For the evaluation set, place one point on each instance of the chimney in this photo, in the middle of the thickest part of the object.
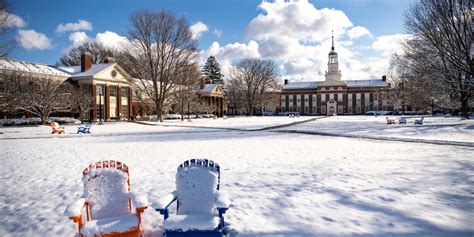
(86, 61)
(201, 83)
(109, 60)
(384, 78)
(286, 81)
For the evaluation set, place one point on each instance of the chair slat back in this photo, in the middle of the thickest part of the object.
(106, 187)
(197, 182)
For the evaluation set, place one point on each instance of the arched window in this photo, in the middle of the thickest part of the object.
(331, 88)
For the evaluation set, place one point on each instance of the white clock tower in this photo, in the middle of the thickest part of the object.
(333, 73)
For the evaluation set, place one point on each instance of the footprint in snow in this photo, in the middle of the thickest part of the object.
(328, 219)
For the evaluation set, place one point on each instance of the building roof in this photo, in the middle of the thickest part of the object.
(75, 71)
(208, 88)
(211, 89)
(350, 83)
(367, 83)
(21, 66)
(302, 85)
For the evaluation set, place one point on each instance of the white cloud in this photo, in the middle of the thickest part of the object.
(389, 44)
(12, 20)
(357, 32)
(30, 39)
(80, 25)
(197, 29)
(297, 36)
(298, 19)
(231, 53)
(112, 40)
(78, 38)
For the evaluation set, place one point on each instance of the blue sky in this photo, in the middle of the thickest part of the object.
(235, 29)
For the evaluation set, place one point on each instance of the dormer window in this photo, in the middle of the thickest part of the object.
(323, 89)
(331, 88)
(339, 88)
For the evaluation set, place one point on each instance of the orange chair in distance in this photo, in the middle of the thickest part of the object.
(56, 128)
(108, 202)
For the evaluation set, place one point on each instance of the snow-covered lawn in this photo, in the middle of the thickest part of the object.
(434, 128)
(280, 183)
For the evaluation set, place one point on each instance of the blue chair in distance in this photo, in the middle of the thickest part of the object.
(419, 121)
(85, 129)
(200, 206)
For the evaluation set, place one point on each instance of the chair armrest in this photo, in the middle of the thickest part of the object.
(74, 209)
(163, 203)
(138, 201)
(222, 201)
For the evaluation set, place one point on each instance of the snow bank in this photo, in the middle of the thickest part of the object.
(191, 222)
(109, 225)
(196, 187)
(106, 191)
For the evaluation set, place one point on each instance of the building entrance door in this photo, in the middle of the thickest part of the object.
(332, 105)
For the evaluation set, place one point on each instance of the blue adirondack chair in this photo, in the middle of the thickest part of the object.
(200, 206)
(419, 121)
(85, 129)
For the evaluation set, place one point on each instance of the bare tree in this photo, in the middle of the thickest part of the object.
(187, 82)
(99, 53)
(162, 47)
(7, 42)
(38, 96)
(254, 78)
(440, 47)
(80, 100)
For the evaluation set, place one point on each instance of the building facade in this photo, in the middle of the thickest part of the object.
(108, 83)
(335, 96)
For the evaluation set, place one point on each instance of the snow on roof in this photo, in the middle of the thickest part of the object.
(302, 85)
(373, 82)
(21, 66)
(75, 71)
(350, 83)
(208, 88)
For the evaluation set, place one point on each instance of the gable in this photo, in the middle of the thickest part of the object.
(114, 73)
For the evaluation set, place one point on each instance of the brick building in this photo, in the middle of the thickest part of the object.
(335, 96)
(107, 82)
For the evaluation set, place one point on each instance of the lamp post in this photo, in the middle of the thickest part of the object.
(432, 106)
(100, 109)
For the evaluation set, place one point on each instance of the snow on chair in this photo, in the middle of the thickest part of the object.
(85, 129)
(56, 128)
(200, 206)
(108, 202)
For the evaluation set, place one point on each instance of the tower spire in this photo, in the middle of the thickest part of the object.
(332, 47)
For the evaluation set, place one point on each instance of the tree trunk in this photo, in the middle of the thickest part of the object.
(157, 111)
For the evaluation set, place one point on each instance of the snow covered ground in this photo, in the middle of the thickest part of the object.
(280, 183)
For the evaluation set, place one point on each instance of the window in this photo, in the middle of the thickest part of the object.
(339, 88)
(124, 100)
(323, 109)
(323, 89)
(339, 97)
(331, 96)
(323, 97)
(113, 108)
(100, 101)
(331, 88)
(306, 110)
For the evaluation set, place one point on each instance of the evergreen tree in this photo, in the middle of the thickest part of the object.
(212, 71)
